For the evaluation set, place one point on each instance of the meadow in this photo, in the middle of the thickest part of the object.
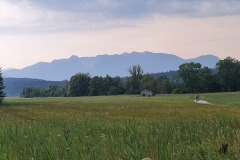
(121, 127)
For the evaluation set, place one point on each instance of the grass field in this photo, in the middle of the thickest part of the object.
(120, 127)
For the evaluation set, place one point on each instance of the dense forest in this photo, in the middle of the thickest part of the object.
(190, 78)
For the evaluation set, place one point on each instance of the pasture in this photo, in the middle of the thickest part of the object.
(121, 127)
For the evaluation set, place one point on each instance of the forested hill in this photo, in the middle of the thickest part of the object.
(14, 86)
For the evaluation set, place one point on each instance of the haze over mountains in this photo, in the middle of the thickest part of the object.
(113, 65)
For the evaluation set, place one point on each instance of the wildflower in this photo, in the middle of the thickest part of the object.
(103, 136)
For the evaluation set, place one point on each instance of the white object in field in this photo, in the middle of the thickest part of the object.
(201, 102)
(146, 158)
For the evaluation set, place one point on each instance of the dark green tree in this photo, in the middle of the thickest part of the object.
(195, 78)
(30, 92)
(133, 82)
(65, 91)
(96, 86)
(204, 79)
(189, 74)
(107, 84)
(79, 84)
(229, 73)
(117, 87)
(164, 85)
(2, 94)
(213, 83)
(238, 75)
(52, 91)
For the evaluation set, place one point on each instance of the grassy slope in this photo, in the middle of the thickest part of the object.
(120, 127)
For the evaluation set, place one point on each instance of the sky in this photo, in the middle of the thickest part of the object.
(43, 30)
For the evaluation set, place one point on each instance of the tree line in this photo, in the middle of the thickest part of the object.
(82, 84)
(190, 78)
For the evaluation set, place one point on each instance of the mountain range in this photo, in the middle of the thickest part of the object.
(113, 65)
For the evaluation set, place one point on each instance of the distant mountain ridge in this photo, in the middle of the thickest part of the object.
(113, 65)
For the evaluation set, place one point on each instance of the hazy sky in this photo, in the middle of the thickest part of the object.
(44, 30)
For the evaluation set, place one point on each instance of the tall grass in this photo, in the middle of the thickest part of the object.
(120, 127)
(171, 139)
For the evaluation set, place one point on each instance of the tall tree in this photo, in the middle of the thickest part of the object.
(2, 94)
(195, 78)
(107, 84)
(117, 87)
(96, 86)
(238, 75)
(189, 74)
(204, 79)
(133, 82)
(79, 84)
(229, 73)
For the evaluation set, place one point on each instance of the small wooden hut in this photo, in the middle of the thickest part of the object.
(146, 92)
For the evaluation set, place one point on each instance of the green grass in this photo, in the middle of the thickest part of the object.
(120, 127)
